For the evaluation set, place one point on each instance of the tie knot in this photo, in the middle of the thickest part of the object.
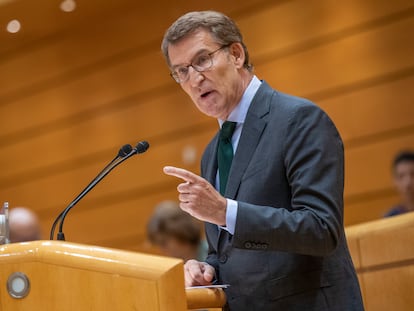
(227, 130)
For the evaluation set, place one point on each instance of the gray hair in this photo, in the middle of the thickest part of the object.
(223, 29)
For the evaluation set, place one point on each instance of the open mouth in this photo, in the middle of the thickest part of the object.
(204, 95)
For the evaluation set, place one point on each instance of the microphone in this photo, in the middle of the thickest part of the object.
(124, 153)
(142, 146)
(125, 149)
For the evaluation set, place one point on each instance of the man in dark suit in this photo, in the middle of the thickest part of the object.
(275, 223)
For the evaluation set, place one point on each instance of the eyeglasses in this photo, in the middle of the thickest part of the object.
(201, 63)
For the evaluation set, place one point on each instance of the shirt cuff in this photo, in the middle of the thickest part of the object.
(231, 216)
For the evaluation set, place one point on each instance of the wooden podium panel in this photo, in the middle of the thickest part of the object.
(390, 289)
(198, 298)
(66, 276)
(383, 253)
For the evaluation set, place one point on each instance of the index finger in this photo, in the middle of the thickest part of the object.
(181, 173)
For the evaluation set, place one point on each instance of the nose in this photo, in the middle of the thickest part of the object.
(195, 77)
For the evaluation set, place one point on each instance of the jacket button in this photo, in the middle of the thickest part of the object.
(223, 258)
(248, 245)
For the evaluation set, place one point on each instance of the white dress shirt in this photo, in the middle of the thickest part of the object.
(237, 115)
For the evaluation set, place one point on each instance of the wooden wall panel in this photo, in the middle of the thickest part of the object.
(73, 94)
(42, 20)
(98, 89)
(56, 190)
(327, 67)
(293, 26)
(369, 191)
(99, 130)
(369, 206)
(368, 167)
(367, 113)
(85, 48)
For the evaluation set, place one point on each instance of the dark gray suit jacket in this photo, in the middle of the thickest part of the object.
(288, 251)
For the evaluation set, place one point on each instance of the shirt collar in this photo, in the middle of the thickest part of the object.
(240, 111)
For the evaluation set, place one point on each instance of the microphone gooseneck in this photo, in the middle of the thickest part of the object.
(124, 153)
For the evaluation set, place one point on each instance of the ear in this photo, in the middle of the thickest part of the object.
(237, 51)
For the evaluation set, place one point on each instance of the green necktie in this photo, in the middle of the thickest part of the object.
(225, 153)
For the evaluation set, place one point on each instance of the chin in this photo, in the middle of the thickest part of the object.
(210, 113)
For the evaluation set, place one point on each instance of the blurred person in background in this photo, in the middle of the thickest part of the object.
(24, 225)
(403, 175)
(176, 233)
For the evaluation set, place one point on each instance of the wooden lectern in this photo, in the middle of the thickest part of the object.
(66, 276)
(383, 254)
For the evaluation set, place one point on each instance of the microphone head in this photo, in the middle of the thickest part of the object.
(142, 146)
(124, 151)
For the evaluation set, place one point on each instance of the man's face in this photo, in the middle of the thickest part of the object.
(218, 90)
(404, 179)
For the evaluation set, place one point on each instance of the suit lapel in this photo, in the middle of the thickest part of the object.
(210, 171)
(253, 128)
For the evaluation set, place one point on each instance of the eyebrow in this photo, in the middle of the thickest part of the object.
(199, 52)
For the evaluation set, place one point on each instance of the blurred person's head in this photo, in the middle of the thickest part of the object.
(24, 225)
(174, 231)
(403, 171)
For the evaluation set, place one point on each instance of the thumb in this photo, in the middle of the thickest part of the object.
(208, 273)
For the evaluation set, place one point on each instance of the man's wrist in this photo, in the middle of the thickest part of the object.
(231, 214)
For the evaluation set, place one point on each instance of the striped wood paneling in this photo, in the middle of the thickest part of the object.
(73, 93)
